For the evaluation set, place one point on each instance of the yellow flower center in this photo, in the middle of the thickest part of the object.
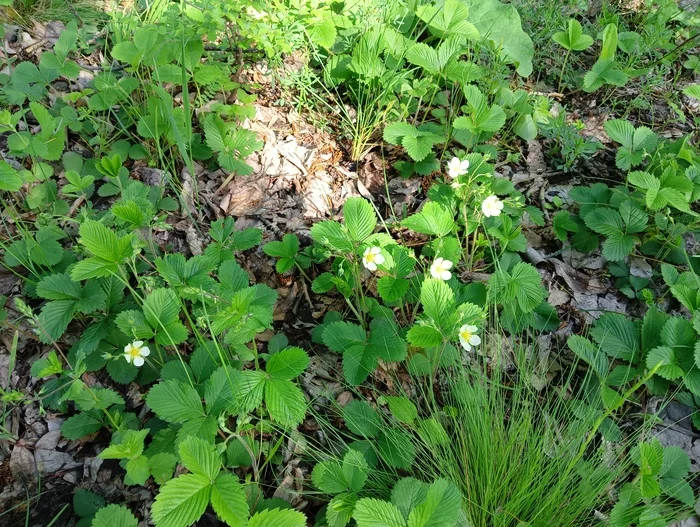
(134, 351)
(466, 335)
(370, 257)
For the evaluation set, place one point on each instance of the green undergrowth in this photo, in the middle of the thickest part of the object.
(453, 419)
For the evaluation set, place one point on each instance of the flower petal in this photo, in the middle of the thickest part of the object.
(127, 357)
(138, 361)
(475, 340)
(145, 352)
(137, 343)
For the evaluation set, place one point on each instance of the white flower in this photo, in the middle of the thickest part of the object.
(456, 168)
(440, 269)
(372, 258)
(135, 352)
(492, 206)
(468, 337)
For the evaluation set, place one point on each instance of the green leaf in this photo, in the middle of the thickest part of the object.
(343, 336)
(129, 445)
(620, 131)
(562, 224)
(277, 518)
(676, 463)
(437, 298)
(181, 501)
(385, 341)
(54, 319)
(333, 235)
(670, 369)
(609, 46)
(361, 419)
(87, 503)
(574, 38)
(200, 457)
(392, 289)
(9, 178)
(396, 449)
(500, 23)
(175, 402)
(161, 466)
(360, 218)
(370, 512)
(693, 91)
(229, 500)
(407, 493)
(604, 72)
(287, 364)
(287, 248)
(114, 516)
(617, 335)
(80, 425)
(448, 19)
(441, 507)
(137, 471)
(103, 243)
(285, 402)
(402, 408)
(424, 336)
(358, 364)
(591, 354)
(433, 219)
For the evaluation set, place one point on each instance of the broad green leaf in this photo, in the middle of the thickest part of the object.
(609, 46)
(500, 23)
(450, 18)
(360, 218)
(617, 336)
(392, 289)
(200, 457)
(433, 219)
(441, 507)
(277, 518)
(181, 501)
(9, 178)
(361, 419)
(344, 336)
(87, 503)
(407, 493)
(287, 364)
(137, 471)
(385, 341)
(285, 401)
(604, 71)
(402, 408)
(358, 364)
(104, 243)
(333, 235)
(228, 500)
(129, 445)
(114, 516)
(574, 38)
(671, 368)
(676, 463)
(591, 354)
(80, 425)
(396, 449)
(370, 512)
(175, 402)
(437, 298)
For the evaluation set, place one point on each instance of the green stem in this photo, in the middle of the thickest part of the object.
(563, 67)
